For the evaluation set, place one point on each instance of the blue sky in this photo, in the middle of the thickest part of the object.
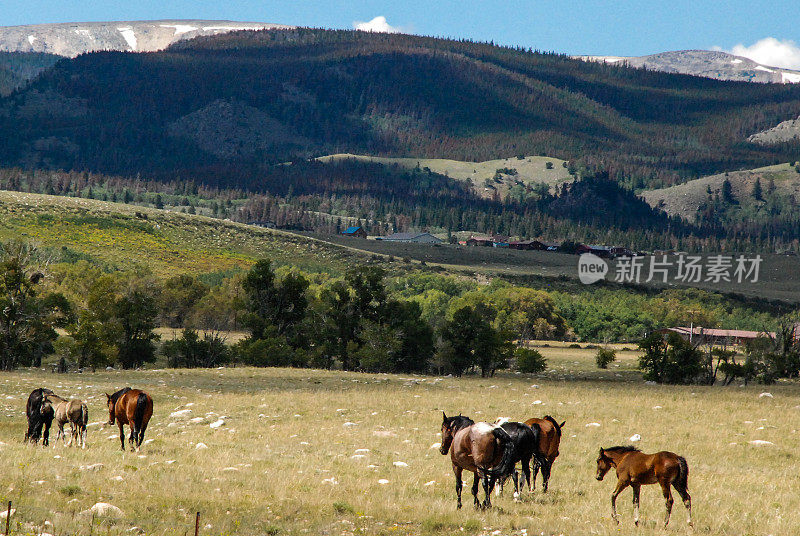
(609, 27)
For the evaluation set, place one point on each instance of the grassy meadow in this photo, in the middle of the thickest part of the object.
(315, 452)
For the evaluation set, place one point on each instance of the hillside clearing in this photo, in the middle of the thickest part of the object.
(529, 170)
(290, 457)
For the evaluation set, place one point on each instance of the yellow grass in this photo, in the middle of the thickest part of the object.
(283, 461)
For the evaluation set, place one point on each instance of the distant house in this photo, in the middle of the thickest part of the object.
(483, 241)
(600, 251)
(417, 238)
(722, 337)
(355, 232)
(526, 245)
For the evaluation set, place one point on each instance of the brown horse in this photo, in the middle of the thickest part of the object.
(134, 408)
(476, 448)
(549, 441)
(635, 468)
(75, 412)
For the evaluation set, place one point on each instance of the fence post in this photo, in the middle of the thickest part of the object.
(8, 518)
(196, 524)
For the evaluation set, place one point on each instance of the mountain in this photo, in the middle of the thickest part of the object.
(706, 63)
(223, 109)
(785, 131)
(16, 68)
(73, 38)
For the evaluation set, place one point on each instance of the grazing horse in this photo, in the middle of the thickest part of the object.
(525, 444)
(635, 468)
(134, 408)
(549, 441)
(38, 419)
(476, 447)
(73, 412)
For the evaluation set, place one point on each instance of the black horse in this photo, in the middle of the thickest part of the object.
(40, 415)
(524, 446)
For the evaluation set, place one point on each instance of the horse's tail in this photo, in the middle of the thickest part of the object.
(507, 462)
(555, 424)
(141, 406)
(682, 481)
(540, 457)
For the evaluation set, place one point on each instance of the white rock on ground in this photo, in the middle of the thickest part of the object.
(4, 513)
(592, 425)
(435, 445)
(102, 509)
(200, 446)
(765, 395)
(92, 467)
(180, 414)
(761, 443)
(635, 437)
(400, 464)
(383, 481)
(216, 424)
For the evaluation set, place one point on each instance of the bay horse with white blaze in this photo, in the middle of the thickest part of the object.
(635, 468)
(476, 447)
(134, 408)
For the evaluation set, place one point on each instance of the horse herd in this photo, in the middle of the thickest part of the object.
(492, 451)
(127, 406)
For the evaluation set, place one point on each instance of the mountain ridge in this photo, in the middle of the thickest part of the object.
(706, 63)
(73, 38)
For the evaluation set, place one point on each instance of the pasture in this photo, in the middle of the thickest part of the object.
(321, 452)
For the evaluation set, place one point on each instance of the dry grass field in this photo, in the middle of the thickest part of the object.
(316, 452)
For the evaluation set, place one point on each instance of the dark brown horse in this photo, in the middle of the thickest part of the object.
(549, 442)
(476, 447)
(40, 416)
(635, 468)
(134, 408)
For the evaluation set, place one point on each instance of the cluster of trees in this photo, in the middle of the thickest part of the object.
(674, 359)
(85, 316)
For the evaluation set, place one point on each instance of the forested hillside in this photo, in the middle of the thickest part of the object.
(17, 68)
(220, 109)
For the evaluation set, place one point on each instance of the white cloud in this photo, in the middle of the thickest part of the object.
(770, 51)
(378, 24)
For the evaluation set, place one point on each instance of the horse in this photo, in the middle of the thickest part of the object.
(476, 447)
(73, 412)
(37, 419)
(549, 441)
(635, 468)
(525, 444)
(134, 408)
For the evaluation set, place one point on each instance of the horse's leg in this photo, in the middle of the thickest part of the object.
(141, 433)
(475, 485)
(457, 470)
(667, 500)
(687, 500)
(526, 470)
(532, 481)
(487, 490)
(636, 488)
(546, 475)
(46, 434)
(515, 476)
(620, 486)
(134, 433)
(121, 434)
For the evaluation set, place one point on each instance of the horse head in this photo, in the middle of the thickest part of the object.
(447, 434)
(603, 465)
(110, 402)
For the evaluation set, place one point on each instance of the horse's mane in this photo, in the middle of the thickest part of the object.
(554, 423)
(119, 393)
(626, 448)
(459, 422)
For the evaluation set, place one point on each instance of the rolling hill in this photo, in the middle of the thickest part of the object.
(278, 95)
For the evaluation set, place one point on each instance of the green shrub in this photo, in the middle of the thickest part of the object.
(530, 361)
(604, 356)
(342, 507)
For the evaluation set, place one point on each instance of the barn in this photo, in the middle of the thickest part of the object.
(355, 232)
